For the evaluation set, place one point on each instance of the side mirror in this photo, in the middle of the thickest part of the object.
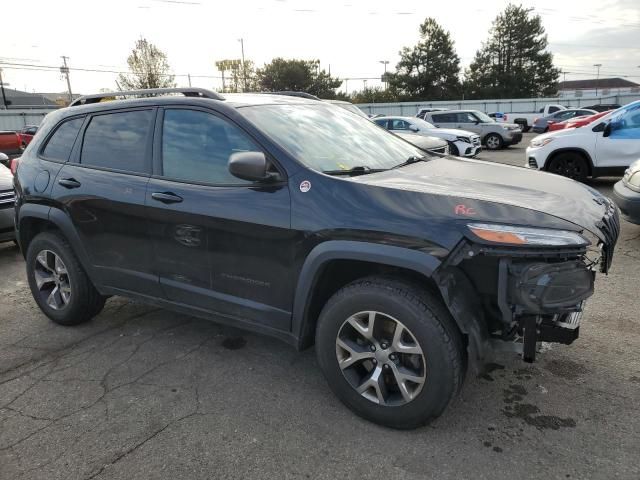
(250, 166)
(607, 130)
(413, 128)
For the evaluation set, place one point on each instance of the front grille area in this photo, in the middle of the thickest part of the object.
(7, 199)
(533, 163)
(610, 228)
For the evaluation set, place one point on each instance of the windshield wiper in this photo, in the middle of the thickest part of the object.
(410, 160)
(359, 170)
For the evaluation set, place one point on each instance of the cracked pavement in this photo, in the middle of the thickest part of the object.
(141, 392)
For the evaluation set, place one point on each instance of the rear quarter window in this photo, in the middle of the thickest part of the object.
(60, 144)
(118, 141)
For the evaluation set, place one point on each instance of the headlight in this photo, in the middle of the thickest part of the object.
(514, 235)
(464, 139)
(541, 142)
(634, 179)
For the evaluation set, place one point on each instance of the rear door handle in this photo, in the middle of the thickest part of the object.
(166, 197)
(69, 182)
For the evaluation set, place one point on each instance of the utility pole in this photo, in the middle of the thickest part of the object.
(597, 65)
(244, 65)
(65, 70)
(4, 98)
(189, 77)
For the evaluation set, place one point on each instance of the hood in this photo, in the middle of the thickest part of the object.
(542, 192)
(422, 141)
(447, 132)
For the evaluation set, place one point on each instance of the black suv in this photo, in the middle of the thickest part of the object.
(298, 219)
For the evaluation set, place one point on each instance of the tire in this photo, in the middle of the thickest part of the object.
(83, 301)
(453, 150)
(426, 326)
(493, 141)
(571, 165)
(523, 126)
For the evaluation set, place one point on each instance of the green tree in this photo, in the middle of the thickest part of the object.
(374, 95)
(298, 76)
(149, 68)
(429, 70)
(513, 63)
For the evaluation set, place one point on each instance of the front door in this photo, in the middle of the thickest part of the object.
(103, 190)
(222, 244)
(622, 147)
(469, 122)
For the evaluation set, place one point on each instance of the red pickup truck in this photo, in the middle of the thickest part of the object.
(27, 133)
(10, 143)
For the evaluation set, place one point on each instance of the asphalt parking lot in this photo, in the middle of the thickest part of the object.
(146, 393)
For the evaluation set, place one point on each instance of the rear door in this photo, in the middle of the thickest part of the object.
(622, 146)
(222, 244)
(103, 190)
(443, 120)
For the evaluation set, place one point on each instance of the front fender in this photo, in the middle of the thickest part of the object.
(389, 255)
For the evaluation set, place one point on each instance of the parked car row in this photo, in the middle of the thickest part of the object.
(607, 145)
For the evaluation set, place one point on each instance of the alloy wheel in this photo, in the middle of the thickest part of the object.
(493, 142)
(52, 279)
(381, 358)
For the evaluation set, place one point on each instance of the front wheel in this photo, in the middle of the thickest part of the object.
(453, 150)
(390, 351)
(569, 164)
(493, 141)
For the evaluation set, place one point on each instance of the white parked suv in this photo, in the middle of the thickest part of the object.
(606, 146)
(461, 142)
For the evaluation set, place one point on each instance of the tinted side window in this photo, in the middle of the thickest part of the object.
(399, 125)
(118, 141)
(466, 117)
(196, 147)
(551, 109)
(444, 118)
(61, 142)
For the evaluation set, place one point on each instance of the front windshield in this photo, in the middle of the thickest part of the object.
(483, 117)
(325, 137)
(351, 108)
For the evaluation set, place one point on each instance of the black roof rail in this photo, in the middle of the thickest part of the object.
(150, 92)
(294, 94)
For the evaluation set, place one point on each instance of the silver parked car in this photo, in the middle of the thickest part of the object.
(7, 200)
(493, 135)
(461, 143)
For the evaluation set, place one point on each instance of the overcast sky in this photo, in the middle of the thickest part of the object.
(350, 35)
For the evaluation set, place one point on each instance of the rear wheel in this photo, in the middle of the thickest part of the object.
(390, 352)
(493, 141)
(58, 283)
(523, 126)
(571, 165)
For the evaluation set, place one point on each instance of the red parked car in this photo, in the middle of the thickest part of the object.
(10, 143)
(27, 133)
(576, 121)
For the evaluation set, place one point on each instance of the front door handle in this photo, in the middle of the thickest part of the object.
(166, 197)
(69, 182)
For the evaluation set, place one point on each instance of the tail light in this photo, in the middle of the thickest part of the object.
(13, 166)
(506, 117)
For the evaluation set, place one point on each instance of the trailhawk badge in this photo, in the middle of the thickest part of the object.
(305, 186)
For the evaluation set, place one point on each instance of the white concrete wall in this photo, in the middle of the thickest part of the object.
(494, 105)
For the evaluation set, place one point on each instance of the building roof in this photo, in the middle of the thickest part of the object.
(615, 82)
(19, 98)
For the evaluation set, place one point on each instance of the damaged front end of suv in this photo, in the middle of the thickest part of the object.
(514, 286)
